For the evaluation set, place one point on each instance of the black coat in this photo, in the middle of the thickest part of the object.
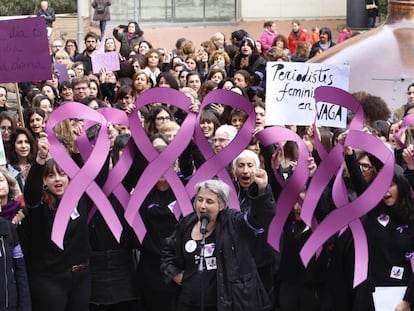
(238, 283)
(48, 14)
(256, 63)
(14, 288)
(44, 255)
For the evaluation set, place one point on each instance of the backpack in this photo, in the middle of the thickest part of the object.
(100, 8)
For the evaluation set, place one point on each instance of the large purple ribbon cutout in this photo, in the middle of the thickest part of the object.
(215, 164)
(113, 183)
(295, 184)
(407, 121)
(346, 213)
(82, 179)
(161, 164)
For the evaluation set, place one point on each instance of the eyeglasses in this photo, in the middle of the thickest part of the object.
(167, 118)
(365, 166)
(410, 93)
(220, 140)
(5, 128)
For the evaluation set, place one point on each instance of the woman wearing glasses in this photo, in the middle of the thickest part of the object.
(157, 116)
(7, 126)
(389, 229)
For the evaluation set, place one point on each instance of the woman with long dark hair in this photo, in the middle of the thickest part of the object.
(128, 36)
(22, 154)
(59, 279)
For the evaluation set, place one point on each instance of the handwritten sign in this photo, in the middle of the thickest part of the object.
(290, 89)
(24, 50)
(107, 60)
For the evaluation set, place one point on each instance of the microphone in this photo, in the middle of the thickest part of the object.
(204, 219)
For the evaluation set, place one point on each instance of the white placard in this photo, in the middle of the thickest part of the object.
(290, 88)
(386, 298)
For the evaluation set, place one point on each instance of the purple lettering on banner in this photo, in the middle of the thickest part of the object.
(82, 179)
(24, 50)
(295, 184)
(347, 213)
(161, 164)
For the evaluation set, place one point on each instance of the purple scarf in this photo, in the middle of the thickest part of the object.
(9, 210)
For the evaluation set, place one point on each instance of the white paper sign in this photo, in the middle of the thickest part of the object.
(290, 88)
(388, 297)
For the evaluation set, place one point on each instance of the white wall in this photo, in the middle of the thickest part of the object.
(288, 9)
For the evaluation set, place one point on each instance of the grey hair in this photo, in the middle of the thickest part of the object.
(230, 130)
(220, 188)
(249, 155)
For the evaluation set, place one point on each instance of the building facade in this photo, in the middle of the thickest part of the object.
(208, 11)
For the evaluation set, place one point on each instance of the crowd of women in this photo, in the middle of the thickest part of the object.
(215, 258)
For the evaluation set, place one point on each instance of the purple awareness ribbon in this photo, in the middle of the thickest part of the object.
(294, 185)
(215, 164)
(347, 213)
(113, 183)
(160, 163)
(82, 179)
(408, 120)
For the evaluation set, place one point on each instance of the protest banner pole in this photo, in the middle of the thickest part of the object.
(19, 105)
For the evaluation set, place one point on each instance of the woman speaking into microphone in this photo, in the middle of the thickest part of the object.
(208, 258)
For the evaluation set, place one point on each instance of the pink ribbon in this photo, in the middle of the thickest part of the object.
(82, 179)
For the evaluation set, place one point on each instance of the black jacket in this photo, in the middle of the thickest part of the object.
(14, 288)
(44, 255)
(49, 15)
(256, 63)
(238, 284)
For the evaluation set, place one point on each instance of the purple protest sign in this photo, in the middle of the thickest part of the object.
(24, 50)
(62, 71)
(107, 60)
